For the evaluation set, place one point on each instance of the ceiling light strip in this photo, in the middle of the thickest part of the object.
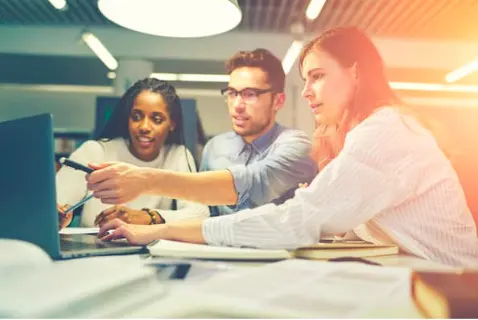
(417, 86)
(406, 86)
(291, 55)
(314, 8)
(462, 71)
(100, 50)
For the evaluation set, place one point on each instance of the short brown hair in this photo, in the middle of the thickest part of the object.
(263, 59)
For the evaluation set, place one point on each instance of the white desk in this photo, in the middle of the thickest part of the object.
(156, 298)
(400, 306)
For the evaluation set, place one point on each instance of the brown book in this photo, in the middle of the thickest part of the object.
(446, 295)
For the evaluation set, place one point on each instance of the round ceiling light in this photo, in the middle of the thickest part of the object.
(173, 18)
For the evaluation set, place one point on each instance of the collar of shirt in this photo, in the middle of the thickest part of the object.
(261, 143)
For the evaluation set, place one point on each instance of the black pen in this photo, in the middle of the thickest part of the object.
(75, 165)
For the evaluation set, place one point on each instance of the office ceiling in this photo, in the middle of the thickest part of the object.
(411, 19)
(435, 19)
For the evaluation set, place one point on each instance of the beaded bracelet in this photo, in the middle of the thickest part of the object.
(154, 219)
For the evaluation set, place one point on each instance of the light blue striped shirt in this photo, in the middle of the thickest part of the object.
(267, 170)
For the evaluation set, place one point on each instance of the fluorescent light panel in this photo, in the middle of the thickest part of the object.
(58, 4)
(100, 50)
(291, 55)
(417, 86)
(314, 8)
(189, 77)
(411, 86)
(462, 71)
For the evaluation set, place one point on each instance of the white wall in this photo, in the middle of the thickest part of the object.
(76, 111)
(70, 110)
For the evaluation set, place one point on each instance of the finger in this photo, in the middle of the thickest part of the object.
(66, 216)
(100, 220)
(125, 232)
(62, 207)
(64, 220)
(104, 213)
(101, 165)
(110, 225)
(112, 201)
(120, 233)
(116, 234)
(109, 184)
(102, 174)
(111, 210)
(106, 193)
(108, 218)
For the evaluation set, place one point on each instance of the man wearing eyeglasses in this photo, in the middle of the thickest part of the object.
(259, 162)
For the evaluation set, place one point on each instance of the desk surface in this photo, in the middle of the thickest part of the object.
(400, 306)
(158, 295)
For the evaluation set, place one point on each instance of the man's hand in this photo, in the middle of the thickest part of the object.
(135, 234)
(123, 213)
(64, 219)
(117, 183)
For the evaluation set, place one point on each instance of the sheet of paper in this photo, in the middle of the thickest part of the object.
(295, 288)
(94, 230)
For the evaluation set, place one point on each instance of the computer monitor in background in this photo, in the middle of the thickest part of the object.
(193, 132)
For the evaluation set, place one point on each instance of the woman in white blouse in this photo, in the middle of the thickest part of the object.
(144, 130)
(383, 177)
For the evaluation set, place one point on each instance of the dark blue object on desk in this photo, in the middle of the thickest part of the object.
(181, 268)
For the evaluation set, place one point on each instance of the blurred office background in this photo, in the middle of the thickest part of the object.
(45, 66)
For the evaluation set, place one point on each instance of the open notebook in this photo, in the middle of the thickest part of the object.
(174, 249)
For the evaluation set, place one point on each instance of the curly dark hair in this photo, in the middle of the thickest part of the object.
(117, 125)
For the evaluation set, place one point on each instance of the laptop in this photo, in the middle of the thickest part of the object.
(28, 208)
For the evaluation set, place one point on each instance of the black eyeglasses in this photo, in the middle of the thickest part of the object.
(248, 95)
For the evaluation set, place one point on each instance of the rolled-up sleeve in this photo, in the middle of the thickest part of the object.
(286, 165)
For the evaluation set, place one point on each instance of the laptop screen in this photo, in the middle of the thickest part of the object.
(27, 182)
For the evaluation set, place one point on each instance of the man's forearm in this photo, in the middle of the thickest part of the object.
(210, 187)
